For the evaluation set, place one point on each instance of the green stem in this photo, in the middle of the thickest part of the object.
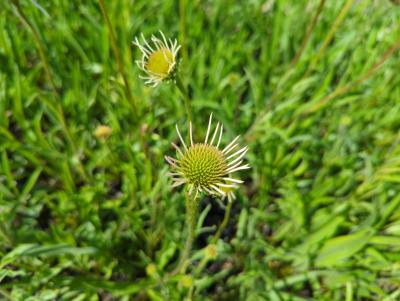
(191, 214)
(118, 58)
(224, 222)
(185, 95)
(182, 29)
(217, 235)
(307, 36)
(338, 21)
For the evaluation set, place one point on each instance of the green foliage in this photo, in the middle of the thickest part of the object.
(87, 219)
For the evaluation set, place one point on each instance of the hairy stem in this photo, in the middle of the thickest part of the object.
(191, 215)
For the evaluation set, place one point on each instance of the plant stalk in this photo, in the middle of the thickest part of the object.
(117, 55)
(217, 235)
(185, 95)
(191, 215)
(224, 222)
(182, 29)
(307, 36)
(338, 21)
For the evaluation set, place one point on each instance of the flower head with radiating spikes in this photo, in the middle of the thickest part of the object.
(159, 60)
(204, 167)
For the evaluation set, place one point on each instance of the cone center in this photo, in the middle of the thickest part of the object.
(203, 165)
(159, 62)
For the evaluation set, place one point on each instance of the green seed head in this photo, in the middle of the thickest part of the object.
(203, 165)
(203, 168)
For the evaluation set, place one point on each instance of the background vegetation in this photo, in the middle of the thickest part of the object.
(89, 219)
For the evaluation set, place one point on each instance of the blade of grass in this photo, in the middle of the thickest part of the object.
(117, 55)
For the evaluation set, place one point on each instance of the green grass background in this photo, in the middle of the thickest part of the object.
(318, 216)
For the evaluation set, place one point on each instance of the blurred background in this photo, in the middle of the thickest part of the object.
(313, 88)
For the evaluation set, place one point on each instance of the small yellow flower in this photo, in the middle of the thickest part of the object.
(211, 251)
(158, 61)
(186, 281)
(206, 168)
(230, 191)
(102, 132)
(151, 269)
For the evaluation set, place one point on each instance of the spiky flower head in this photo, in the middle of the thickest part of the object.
(159, 60)
(204, 167)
